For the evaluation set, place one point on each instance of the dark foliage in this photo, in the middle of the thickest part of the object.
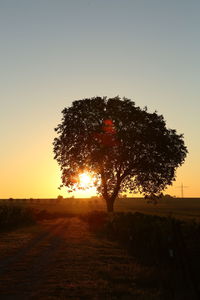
(124, 146)
(13, 216)
(150, 239)
(146, 237)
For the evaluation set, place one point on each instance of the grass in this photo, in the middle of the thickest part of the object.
(13, 216)
(184, 209)
(129, 248)
(70, 262)
(144, 236)
(169, 248)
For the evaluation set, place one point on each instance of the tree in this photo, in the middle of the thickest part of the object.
(125, 147)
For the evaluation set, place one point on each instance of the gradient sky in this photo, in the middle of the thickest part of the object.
(55, 51)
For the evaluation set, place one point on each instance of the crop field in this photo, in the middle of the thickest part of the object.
(185, 209)
(70, 249)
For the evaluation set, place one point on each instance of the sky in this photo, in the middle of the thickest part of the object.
(53, 52)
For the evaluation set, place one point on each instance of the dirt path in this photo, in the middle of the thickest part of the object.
(63, 260)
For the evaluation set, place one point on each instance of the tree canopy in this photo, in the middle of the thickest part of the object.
(127, 148)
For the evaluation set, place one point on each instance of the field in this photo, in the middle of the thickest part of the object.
(186, 209)
(68, 251)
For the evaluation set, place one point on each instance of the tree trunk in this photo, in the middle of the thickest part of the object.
(110, 199)
(110, 205)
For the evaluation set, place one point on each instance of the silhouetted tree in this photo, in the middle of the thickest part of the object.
(125, 147)
(59, 199)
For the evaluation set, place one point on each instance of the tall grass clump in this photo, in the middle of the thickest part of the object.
(147, 237)
(96, 220)
(13, 216)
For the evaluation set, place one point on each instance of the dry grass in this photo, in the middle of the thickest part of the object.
(67, 261)
(187, 208)
(60, 258)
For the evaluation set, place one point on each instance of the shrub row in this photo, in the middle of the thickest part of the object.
(149, 238)
(12, 216)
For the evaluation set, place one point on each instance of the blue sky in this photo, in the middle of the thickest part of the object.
(53, 52)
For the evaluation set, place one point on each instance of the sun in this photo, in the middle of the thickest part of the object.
(85, 180)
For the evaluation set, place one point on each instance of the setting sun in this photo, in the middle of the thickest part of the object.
(85, 180)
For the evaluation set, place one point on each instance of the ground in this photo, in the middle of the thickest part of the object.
(62, 259)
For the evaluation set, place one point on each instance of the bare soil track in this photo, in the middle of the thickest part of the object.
(61, 259)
